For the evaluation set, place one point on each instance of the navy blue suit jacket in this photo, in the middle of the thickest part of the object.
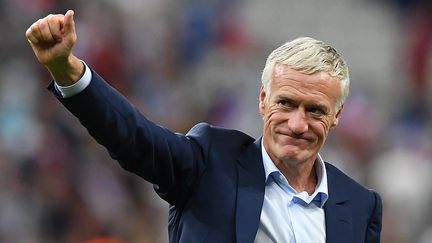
(213, 178)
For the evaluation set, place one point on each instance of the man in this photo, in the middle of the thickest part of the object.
(222, 185)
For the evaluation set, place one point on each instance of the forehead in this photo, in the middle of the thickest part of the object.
(319, 85)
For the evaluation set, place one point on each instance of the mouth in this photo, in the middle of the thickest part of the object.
(294, 137)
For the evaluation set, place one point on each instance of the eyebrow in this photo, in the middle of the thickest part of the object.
(282, 96)
(285, 98)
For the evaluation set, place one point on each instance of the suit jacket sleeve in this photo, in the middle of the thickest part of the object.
(374, 226)
(172, 162)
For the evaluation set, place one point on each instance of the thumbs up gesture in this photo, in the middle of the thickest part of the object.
(52, 39)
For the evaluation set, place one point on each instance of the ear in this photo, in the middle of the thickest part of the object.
(336, 120)
(262, 97)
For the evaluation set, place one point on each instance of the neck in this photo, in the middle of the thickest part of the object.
(301, 176)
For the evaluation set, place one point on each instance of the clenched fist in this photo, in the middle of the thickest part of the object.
(52, 39)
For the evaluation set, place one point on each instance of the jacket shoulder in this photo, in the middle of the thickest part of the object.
(364, 203)
(206, 134)
(347, 182)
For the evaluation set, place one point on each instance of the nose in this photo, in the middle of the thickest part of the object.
(297, 122)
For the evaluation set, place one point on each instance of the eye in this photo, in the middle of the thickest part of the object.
(285, 102)
(317, 111)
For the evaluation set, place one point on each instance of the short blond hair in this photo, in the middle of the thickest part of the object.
(309, 56)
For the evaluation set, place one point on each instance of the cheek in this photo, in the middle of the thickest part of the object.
(323, 129)
(273, 117)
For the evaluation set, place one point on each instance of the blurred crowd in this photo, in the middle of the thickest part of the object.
(182, 62)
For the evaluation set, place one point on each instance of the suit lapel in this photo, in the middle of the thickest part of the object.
(338, 215)
(250, 192)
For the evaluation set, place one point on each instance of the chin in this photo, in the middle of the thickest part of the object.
(288, 153)
(291, 156)
(296, 159)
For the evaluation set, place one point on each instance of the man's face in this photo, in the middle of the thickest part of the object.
(298, 113)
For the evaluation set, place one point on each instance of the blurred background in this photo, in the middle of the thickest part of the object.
(181, 62)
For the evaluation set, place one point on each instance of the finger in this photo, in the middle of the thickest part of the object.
(32, 39)
(45, 31)
(37, 32)
(54, 25)
(30, 34)
(69, 23)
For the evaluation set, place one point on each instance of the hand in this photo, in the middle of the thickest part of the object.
(52, 39)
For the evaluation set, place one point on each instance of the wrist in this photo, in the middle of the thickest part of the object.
(67, 72)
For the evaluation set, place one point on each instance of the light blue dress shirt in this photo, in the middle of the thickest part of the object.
(288, 216)
(80, 85)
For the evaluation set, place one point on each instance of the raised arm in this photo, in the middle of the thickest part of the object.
(52, 39)
(172, 162)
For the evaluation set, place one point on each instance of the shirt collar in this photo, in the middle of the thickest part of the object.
(321, 190)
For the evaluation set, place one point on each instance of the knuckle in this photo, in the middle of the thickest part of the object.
(51, 17)
(38, 24)
(28, 32)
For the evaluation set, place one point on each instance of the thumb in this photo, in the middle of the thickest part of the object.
(69, 23)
